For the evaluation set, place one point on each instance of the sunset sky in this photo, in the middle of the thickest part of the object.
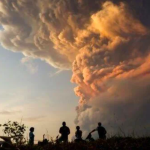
(79, 61)
(38, 98)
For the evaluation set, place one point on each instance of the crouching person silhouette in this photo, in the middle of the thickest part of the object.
(101, 131)
(64, 131)
(78, 135)
(90, 138)
(31, 136)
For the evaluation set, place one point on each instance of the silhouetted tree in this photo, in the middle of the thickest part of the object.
(15, 131)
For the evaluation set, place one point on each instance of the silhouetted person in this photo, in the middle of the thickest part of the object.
(101, 131)
(64, 131)
(78, 134)
(90, 138)
(44, 142)
(31, 136)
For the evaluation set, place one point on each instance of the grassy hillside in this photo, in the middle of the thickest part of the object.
(109, 144)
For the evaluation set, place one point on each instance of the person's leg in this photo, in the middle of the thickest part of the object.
(77, 140)
(31, 142)
(102, 137)
(65, 139)
(60, 139)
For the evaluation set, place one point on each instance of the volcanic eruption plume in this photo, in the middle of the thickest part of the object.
(105, 43)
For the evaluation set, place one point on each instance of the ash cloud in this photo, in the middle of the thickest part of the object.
(105, 43)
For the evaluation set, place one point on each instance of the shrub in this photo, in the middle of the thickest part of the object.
(15, 131)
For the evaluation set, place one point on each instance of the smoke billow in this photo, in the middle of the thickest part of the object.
(106, 43)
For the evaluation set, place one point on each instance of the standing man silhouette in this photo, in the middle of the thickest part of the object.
(101, 131)
(64, 131)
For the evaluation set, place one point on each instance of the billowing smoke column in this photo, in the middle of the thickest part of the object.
(107, 45)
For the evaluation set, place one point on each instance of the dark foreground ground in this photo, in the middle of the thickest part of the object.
(110, 144)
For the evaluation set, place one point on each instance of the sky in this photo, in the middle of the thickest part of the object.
(39, 99)
(81, 61)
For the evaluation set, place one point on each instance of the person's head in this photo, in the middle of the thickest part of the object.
(77, 127)
(31, 129)
(64, 123)
(99, 124)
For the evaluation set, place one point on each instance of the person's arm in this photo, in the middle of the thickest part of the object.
(31, 135)
(105, 130)
(76, 134)
(60, 130)
(68, 131)
(93, 130)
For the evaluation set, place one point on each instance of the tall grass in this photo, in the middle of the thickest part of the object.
(113, 143)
